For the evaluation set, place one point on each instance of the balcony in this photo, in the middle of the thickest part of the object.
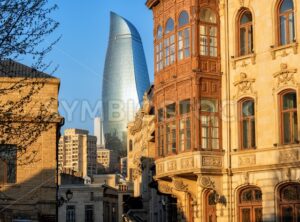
(189, 163)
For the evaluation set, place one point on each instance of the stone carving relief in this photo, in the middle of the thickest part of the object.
(160, 168)
(247, 160)
(172, 165)
(211, 161)
(179, 185)
(285, 76)
(164, 188)
(187, 163)
(206, 182)
(244, 85)
(245, 3)
(138, 123)
(288, 156)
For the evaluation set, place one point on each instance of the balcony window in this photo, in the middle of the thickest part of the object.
(209, 121)
(184, 126)
(169, 43)
(183, 36)
(208, 33)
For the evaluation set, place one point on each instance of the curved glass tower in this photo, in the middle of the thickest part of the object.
(125, 80)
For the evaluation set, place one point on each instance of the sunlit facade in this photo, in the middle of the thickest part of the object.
(226, 97)
(125, 79)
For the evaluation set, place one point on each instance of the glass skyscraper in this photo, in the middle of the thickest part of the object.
(125, 80)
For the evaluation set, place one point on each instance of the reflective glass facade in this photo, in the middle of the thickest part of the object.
(125, 80)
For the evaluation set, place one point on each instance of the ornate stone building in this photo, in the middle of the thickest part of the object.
(226, 100)
(141, 154)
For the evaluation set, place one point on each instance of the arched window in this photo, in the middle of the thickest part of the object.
(250, 204)
(245, 33)
(183, 36)
(286, 23)
(208, 33)
(169, 26)
(247, 124)
(289, 120)
(289, 202)
(169, 43)
(183, 19)
(159, 49)
(130, 145)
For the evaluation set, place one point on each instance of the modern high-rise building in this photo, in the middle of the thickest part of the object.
(98, 131)
(77, 150)
(125, 80)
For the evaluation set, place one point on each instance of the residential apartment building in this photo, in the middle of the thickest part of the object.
(29, 129)
(226, 100)
(77, 150)
(107, 161)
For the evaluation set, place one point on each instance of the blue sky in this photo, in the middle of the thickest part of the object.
(80, 54)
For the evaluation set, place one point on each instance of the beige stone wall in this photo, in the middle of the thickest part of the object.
(35, 189)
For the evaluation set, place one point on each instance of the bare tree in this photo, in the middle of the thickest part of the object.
(24, 27)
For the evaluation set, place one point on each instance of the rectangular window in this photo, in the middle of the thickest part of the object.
(171, 137)
(184, 125)
(70, 213)
(183, 44)
(209, 122)
(203, 41)
(159, 56)
(171, 111)
(169, 45)
(8, 164)
(89, 213)
(160, 140)
(160, 114)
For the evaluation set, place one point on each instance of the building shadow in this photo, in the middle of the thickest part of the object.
(33, 199)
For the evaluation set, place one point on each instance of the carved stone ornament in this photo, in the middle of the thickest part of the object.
(160, 168)
(244, 84)
(285, 75)
(164, 188)
(288, 156)
(206, 182)
(211, 161)
(179, 185)
(172, 165)
(187, 163)
(247, 160)
(138, 123)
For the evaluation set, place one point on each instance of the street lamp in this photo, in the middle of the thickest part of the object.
(62, 200)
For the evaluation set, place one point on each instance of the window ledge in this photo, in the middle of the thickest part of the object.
(236, 59)
(283, 50)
